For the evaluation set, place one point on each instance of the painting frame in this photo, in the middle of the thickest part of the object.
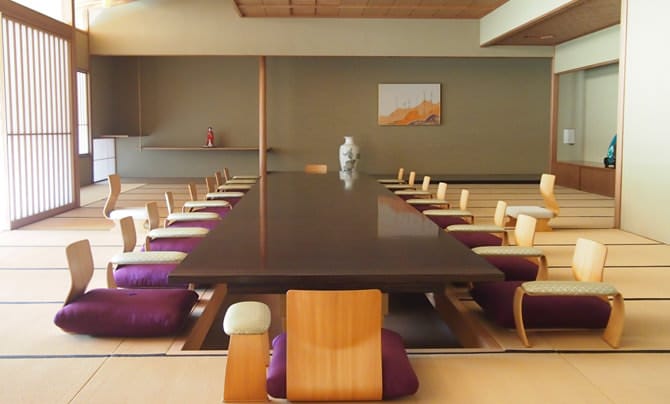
(409, 104)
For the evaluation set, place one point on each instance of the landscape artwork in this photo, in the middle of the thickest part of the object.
(409, 104)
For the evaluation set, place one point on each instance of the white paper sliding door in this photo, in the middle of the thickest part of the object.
(37, 133)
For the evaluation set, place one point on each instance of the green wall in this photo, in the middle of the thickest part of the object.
(588, 103)
(492, 109)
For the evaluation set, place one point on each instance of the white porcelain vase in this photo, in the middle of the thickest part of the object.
(349, 155)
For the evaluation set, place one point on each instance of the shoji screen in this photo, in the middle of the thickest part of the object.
(38, 132)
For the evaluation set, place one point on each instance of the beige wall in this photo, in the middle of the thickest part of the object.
(645, 180)
(213, 27)
(514, 14)
(594, 49)
(490, 108)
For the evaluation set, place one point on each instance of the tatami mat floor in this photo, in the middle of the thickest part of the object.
(41, 364)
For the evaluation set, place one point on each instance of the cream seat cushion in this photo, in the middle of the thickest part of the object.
(532, 211)
(136, 213)
(206, 204)
(180, 217)
(509, 250)
(426, 201)
(223, 195)
(569, 288)
(177, 232)
(246, 318)
(233, 187)
(148, 257)
(447, 212)
(412, 192)
(483, 228)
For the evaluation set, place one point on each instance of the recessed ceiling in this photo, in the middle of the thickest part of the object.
(368, 8)
(576, 19)
(564, 24)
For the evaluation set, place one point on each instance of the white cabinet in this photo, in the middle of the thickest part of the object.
(104, 158)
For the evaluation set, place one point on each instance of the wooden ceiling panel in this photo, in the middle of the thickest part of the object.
(472, 9)
(578, 18)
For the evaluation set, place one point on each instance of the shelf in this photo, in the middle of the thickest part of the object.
(113, 136)
(201, 148)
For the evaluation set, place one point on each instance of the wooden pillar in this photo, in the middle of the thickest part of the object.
(262, 120)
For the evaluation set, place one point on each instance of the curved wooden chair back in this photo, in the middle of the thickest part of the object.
(226, 175)
(128, 233)
(114, 191)
(211, 184)
(411, 179)
(219, 178)
(401, 174)
(152, 215)
(499, 215)
(524, 230)
(441, 193)
(426, 183)
(547, 182)
(333, 345)
(316, 168)
(588, 261)
(80, 263)
(193, 191)
(463, 202)
(169, 201)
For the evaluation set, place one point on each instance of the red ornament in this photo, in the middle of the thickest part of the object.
(210, 137)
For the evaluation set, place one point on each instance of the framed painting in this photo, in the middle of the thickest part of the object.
(409, 105)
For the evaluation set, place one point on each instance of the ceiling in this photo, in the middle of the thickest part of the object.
(576, 19)
(368, 8)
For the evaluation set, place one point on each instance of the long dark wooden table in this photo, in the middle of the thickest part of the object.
(302, 231)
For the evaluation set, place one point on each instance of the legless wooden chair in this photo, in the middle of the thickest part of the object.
(223, 186)
(424, 192)
(398, 180)
(524, 234)
(110, 211)
(221, 179)
(158, 238)
(316, 168)
(409, 185)
(587, 268)
(173, 217)
(440, 216)
(332, 350)
(140, 269)
(247, 325)
(440, 200)
(227, 176)
(203, 205)
(118, 312)
(497, 228)
(542, 214)
(231, 196)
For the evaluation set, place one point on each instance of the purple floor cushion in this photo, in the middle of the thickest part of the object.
(127, 312)
(496, 298)
(221, 211)
(445, 221)
(183, 244)
(514, 268)
(398, 377)
(207, 224)
(144, 276)
(232, 201)
(476, 239)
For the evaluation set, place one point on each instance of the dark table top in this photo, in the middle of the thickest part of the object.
(302, 231)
